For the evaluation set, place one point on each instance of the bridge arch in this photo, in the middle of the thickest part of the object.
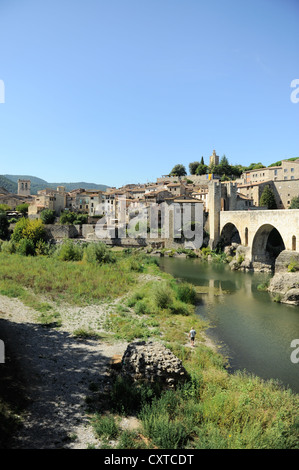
(267, 244)
(230, 234)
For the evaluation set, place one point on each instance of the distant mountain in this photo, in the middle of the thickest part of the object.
(37, 184)
(8, 184)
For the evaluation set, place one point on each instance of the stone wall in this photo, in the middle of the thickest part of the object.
(55, 232)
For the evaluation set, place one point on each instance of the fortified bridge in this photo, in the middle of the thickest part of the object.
(265, 232)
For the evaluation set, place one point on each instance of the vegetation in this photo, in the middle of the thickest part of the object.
(47, 216)
(4, 225)
(213, 409)
(178, 170)
(23, 208)
(268, 199)
(294, 203)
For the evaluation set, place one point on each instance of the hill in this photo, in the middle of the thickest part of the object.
(38, 184)
(8, 184)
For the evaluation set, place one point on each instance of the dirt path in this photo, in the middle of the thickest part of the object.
(55, 370)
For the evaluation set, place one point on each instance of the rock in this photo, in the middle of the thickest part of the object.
(285, 258)
(284, 283)
(291, 297)
(149, 361)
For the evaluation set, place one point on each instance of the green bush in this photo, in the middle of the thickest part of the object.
(98, 253)
(47, 216)
(8, 247)
(186, 293)
(31, 229)
(25, 247)
(293, 266)
(4, 224)
(69, 251)
(163, 296)
(105, 426)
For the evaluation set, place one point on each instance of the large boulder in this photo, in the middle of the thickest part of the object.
(152, 361)
(285, 284)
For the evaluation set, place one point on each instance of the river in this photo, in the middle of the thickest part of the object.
(252, 330)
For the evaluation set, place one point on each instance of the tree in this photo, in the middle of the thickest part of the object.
(202, 161)
(4, 208)
(201, 169)
(294, 203)
(30, 229)
(267, 198)
(192, 167)
(178, 170)
(47, 216)
(23, 208)
(4, 224)
(67, 218)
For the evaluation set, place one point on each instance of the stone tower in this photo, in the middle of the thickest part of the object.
(214, 159)
(24, 187)
(214, 204)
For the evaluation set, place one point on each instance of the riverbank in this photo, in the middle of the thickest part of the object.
(71, 340)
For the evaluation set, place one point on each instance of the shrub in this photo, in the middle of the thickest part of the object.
(8, 247)
(293, 266)
(186, 293)
(98, 253)
(105, 426)
(31, 229)
(4, 224)
(163, 296)
(23, 208)
(67, 218)
(25, 247)
(69, 251)
(80, 219)
(47, 216)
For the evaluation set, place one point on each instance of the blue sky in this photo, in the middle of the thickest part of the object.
(119, 91)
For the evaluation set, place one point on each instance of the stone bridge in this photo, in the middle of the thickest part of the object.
(265, 233)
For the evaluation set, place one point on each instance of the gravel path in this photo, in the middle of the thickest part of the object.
(56, 370)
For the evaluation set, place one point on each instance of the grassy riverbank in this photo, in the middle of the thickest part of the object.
(214, 409)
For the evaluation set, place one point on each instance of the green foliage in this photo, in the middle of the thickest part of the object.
(47, 216)
(67, 218)
(23, 208)
(4, 208)
(192, 167)
(81, 219)
(4, 225)
(294, 203)
(178, 170)
(105, 426)
(98, 253)
(69, 251)
(201, 169)
(267, 198)
(32, 229)
(293, 266)
(25, 247)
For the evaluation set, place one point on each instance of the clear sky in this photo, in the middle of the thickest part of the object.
(119, 91)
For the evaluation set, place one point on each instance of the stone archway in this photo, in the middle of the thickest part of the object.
(230, 234)
(267, 244)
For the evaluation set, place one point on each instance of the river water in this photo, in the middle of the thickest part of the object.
(254, 332)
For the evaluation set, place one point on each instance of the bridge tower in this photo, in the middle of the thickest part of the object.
(214, 204)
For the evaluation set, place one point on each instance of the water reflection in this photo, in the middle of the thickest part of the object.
(252, 330)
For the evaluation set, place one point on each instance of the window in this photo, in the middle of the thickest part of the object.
(285, 170)
(292, 177)
(292, 170)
